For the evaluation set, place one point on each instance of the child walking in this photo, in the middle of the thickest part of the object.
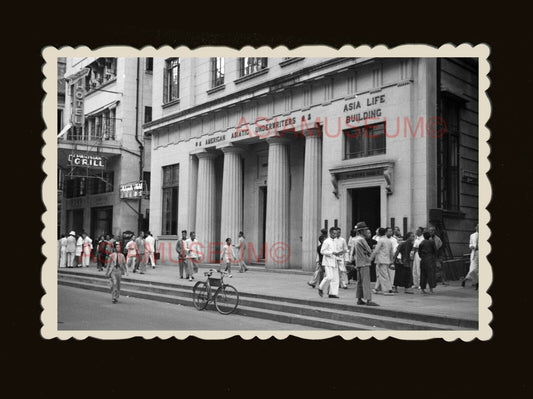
(227, 256)
(116, 267)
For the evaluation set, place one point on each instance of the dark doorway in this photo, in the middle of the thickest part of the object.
(262, 218)
(101, 221)
(366, 206)
(75, 220)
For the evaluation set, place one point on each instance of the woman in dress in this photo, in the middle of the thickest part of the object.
(404, 276)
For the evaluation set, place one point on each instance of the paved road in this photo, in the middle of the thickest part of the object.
(80, 309)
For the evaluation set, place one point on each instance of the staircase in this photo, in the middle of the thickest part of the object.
(311, 313)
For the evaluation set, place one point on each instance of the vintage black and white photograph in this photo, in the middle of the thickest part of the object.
(266, 192)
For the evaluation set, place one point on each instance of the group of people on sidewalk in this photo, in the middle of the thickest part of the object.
(189, 254)
(409, 262)
(75, 250)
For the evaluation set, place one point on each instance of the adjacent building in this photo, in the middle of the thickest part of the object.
(280, 147)
(103, 158)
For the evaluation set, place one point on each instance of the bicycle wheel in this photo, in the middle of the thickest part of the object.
(226, 299)
(200, 295)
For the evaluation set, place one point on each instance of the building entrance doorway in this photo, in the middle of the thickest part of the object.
(262, 219)
(366, 207)
(101, 221)
(75, 220)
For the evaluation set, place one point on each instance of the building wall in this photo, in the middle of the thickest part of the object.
(125, 166)
(460, 77)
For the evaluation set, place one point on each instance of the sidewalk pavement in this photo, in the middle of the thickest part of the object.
(450, 301)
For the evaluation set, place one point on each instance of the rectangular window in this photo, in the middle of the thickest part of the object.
(249, 65)
(170, 199)
(147, 114)
(75, 187)
(217, 71)
(365, 141)
(149, 64)
(171, 87)
(448, 157)
(102, 71)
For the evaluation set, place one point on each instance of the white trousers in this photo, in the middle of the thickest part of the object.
(331, 280)
(63, 258)
(383, 277)
(416, 270)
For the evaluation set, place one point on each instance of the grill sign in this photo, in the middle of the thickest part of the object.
(90, 161)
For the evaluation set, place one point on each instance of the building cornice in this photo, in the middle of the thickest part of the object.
(276, 84)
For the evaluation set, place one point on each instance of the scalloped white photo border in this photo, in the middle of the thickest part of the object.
(49, 276)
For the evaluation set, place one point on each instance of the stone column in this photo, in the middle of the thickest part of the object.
(277, 213)
(205, 201)
(311, 198)
(232, 194)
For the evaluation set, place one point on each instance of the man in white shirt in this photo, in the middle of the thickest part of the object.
(63, 251)
(473, 272)
(71, 249)
(329, 260)
(395, 243)
(382, 255)
(193, 252)
(416, 257)
(79, 250)
(150, 248)
(342, 249)
(131, 254)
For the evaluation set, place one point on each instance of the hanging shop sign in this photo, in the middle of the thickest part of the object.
(87, 160)
(132, 190)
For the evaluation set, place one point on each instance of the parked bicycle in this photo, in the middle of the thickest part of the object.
(226, 297)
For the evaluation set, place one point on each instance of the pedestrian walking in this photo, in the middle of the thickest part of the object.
(372, 244)
(402, 263)
(416, 257)
(395, 242)
(318, 275)
(228, 256)
(350, 265)
(438, 262)
(329, 260)
(473, 272)
(79, 250)
(140, 243)
(87, 250)
(131, 254)
(101, 256)
(182, 256)
(71, 249)
(63, 251)
(362, 263)
(428, 257)
(342, 250)
(383, 255)
(116, 267)
(150, 249)
(241, 250)
(193, 255)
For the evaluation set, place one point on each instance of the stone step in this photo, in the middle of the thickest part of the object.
(242, 310)
(255, 305)
(377, 315)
